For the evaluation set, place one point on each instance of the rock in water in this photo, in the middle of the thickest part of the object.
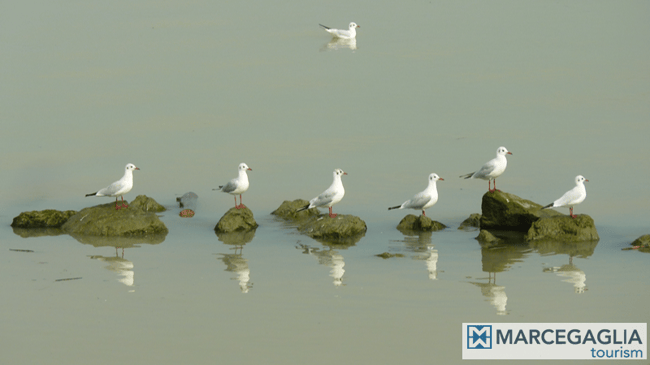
(563, 228)
(236, 220)
(419, 224)
(486, 237)
(504, 211)
(341, 229)
(471, 223)
(288, 210)
(48, 218)
(138, 219)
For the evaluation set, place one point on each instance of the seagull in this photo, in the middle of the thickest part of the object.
(343, 34)
(238, 185)
(492, 169)
(572, 197)
(329, 197)
(423, 200)
(120, 187)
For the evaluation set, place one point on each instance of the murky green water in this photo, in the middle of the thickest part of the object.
(187, 91)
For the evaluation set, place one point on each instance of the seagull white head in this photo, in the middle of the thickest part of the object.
(353, 25)
(580, 180)
(435, 177)
(502, 151)
(131, 167)
(339, 172)
(244, 167)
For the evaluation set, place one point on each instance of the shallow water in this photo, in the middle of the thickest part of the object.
(187, 91)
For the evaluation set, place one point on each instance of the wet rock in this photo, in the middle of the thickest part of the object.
(236, 220)
(563, 228)
(287, 210)
(387, 255)
(642, 244)
(504, 211)
(138, 219)
(48, 218)
(146, 204)
(413, 223)
(473, 222)
(340, 229)
(486, 237)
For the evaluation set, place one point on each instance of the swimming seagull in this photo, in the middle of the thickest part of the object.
(572, 197)
(238, 185)
(120, 187)
(423, 200)
(492, 169)
(329, 197)
(343, 34)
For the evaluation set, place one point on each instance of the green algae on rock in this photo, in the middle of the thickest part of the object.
(48, 218)
(564, 228)
(642, 244)
(287, 210)
(486, 237)
(422, 223)
(471, 223)
(504, 211)
(341, 229)
(236, 220)
(387, 255)
(104, 220)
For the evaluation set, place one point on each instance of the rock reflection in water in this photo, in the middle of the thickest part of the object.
(235, 262)
(329, 258)
(570, 273)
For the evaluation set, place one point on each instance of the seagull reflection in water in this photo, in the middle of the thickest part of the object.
(572, 275)
(237, 264)
(337, 43)
(494, 294)
(119, 265)
(329, 258)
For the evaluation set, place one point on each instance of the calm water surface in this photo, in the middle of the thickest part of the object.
(187, 91)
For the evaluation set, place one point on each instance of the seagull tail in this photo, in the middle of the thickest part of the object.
(324, 26)
(548, 206)
(219, 188)
(303, 208)
(467, 176)
(395, 207)
(93, 194)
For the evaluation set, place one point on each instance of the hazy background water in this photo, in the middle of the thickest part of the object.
(188, 90)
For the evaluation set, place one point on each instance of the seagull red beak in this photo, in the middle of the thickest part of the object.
(358, 26)
(137, 168)
(345, 173)
(441, 179)
(510, 153)
(250, 169)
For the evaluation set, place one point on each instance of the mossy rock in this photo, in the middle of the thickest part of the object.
(146, 204)
(642, 243)
(471, 223)
(340, 229)
(504, 211)
(236, 220)
(563, 228)
(387, 255)
(48, 218)
(413, 223)
(104, 220)
(486, 237)
(287, 210)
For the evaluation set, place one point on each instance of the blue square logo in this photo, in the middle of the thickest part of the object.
(479, 337)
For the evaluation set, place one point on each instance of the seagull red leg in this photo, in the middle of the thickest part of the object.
(423, 213)
(241, 202)
(123, 205)
(116, 207)
(571, 213)
(332, 215)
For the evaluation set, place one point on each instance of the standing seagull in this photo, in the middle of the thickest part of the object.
(343, 34)
(329, 197)
(238, 185)
(425, 199)
(572, 197)
(492, 169)
(120, 187)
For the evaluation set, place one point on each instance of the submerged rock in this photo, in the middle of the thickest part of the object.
(642, 243)
(138, 219)
(419, 224)
(340, 229)
(387, 255)
(473, 222)
(563, 228)
(287, 210)
(236, 220)
(486, 237)
(48, 218)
